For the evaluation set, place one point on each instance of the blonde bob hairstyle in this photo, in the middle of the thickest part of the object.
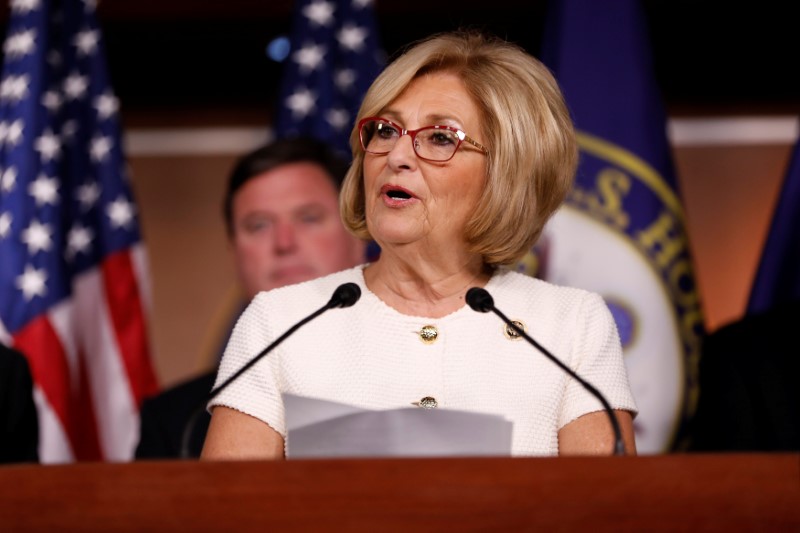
(526, 126)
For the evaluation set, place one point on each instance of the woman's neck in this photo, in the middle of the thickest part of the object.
(424, 289)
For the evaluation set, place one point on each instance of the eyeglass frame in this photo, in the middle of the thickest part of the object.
(462, 136)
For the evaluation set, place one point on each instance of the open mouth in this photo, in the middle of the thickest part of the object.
(398, 195)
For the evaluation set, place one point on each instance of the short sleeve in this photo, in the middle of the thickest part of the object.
(256, 391)
(596, 356)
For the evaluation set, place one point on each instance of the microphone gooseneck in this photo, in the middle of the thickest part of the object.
(480, 300)
(345, 295)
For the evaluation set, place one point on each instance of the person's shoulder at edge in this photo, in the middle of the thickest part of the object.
(164, 416)
(20, 424)
(775, 321)
(12, 361)
(769, 334)
(184, 392)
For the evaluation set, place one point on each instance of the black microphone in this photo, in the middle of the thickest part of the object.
(345, 295)
(480, 300)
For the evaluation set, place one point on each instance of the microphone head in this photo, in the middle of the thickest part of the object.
(345, 295)
(480, 300)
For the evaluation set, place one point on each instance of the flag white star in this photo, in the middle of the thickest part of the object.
(90, 5)
(86, 42)
(301, 103)
(99, 148)
(75, 86)
(338, 118)
(5, 225)
(79, 239)
(8, 179)
(344, 79)
(44, 190)
(52, 101)
(48, 146)
(24, 6)
(32, 282)
(13, 134)
(87, 195)
(106, 104)
(14, 88)
(361, 4)
(352, 37)
(120, 212)
(319, 12)
(37, 236)
(309, 57)
(20, 43)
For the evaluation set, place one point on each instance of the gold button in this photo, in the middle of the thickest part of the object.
(511, 333)
(428, 402)
(428, 334)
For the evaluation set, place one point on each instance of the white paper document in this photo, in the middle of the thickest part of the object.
(320, 428)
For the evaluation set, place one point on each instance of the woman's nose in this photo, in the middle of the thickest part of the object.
(402, 154)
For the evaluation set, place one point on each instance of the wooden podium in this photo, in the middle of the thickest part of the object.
(715, 492)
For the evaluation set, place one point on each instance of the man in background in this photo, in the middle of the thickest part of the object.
(281, 213)
(749, 400)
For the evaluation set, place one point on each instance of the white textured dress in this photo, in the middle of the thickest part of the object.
(372, 356)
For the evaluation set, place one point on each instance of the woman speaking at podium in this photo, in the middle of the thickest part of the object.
(463, 148)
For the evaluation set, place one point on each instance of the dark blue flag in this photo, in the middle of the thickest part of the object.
(73, 275)
(334, 58)
(777, 280)
(622, 230)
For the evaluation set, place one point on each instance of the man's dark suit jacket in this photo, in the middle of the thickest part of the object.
(19, 422)
(166, 417)
(749, 393)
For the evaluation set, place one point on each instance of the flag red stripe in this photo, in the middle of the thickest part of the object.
(84, 434)
(72, 402)
(49, 367)
(127, 315)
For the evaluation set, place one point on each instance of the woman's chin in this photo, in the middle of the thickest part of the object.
(398, 233)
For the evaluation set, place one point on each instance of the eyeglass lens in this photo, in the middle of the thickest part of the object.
(436, 144)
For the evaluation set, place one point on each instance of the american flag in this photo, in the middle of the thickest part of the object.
(73, 274)
(334, 57)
